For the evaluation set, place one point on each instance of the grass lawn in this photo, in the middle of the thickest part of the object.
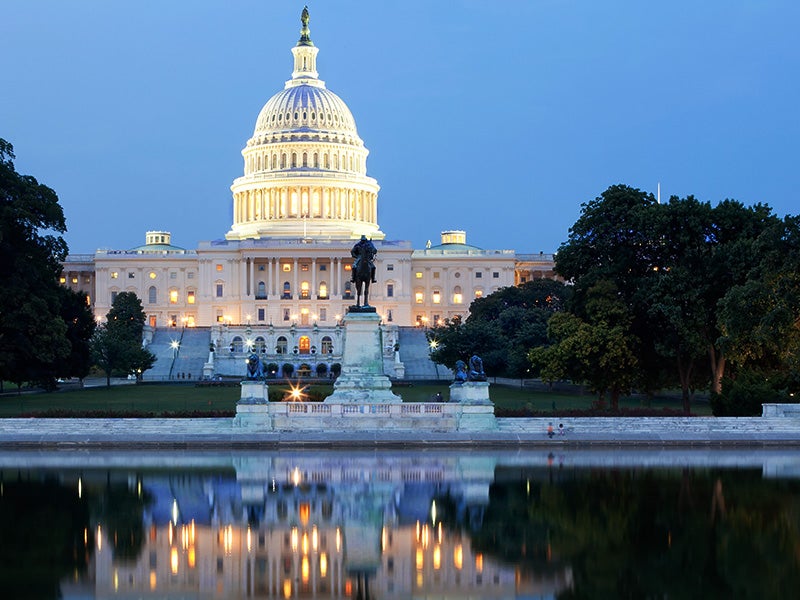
(187, 398)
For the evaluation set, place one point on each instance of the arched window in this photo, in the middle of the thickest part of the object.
(305, 159)
(282, 345)
(316, 160)
(304, 344)
(260, 345)
(327, 163)
(283, 160)
(323, 290)
(274, 161)
(458, 298)
(327, 345)
(287, 290)
(348, 289)
(261, 291)
(304, 290)
(236, 344)
(294, 159)
(152, 295)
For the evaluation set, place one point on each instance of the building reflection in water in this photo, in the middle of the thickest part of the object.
(316, 528)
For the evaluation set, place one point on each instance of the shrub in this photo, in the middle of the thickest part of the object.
(743, 396)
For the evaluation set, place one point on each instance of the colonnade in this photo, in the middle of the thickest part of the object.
(274, 276)
(314, 202)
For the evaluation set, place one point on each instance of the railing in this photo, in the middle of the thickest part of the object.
(422, 410)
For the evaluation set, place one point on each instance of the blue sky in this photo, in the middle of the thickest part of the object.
(500, 118)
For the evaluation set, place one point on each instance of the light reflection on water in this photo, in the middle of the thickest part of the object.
(613, 523)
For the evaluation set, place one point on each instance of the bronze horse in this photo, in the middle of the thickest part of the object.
(362, 276)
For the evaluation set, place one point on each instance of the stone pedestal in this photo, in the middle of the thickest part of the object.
(253, 410)
(362, 378)
(477, 410)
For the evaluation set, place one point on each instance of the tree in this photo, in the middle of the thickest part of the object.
(500, 328)
(81, 326)
(32, 333)
(117, 344)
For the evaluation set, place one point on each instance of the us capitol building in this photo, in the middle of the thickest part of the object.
(279, 281)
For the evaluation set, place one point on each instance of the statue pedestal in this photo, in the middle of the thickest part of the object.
(477, 410)
(362, 378)
(252, 410)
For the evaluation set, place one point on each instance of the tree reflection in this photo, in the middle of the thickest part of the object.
(45, 533)
(641, 534)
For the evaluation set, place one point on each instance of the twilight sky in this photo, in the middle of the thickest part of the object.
(500, 118)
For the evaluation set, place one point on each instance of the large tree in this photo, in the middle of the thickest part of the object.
(501, 328)
(117, 344)
(32, 332)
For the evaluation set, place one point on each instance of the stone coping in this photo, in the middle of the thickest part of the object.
(510, 432)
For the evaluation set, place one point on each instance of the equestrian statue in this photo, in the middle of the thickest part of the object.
(363, 270)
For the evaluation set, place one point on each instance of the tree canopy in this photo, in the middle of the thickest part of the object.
(37, 331)
(117, 344)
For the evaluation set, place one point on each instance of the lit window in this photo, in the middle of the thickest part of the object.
(323, 290)
(457, 298)
(304, 267)
(74, 280)
(173, 296)
(437, 297)
(190, 297)
(348, 267)
(219, 267)
(418, 297)
(418, 274)
(478, 293)
(114, 274)
(87, 280)
(152, 274)
(286, 267)
(63, 280)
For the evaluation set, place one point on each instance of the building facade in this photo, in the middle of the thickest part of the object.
(304, 198)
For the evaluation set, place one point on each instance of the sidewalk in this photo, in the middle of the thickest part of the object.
(512, 433)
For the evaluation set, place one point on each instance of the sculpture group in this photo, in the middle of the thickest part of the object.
(474, 373)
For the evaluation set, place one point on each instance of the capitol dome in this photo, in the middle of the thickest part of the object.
(305, 167)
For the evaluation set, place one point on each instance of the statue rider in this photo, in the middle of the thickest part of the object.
(364, 249)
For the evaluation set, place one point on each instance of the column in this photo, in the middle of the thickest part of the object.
(270, 291)
(313, 277)
(295, 289)
(339, 277)
(243, 277)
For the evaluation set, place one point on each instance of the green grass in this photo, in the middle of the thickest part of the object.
(187, 399)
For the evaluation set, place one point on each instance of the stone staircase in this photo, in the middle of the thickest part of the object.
(189, 358)
(161, 348)
(415, 356)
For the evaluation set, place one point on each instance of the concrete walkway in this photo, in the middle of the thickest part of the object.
(510, 433)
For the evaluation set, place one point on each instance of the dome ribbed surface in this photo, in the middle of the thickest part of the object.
(305, 107)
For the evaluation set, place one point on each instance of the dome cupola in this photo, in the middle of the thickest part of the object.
(305, 167)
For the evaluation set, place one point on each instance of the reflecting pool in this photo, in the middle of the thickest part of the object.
(329, 524)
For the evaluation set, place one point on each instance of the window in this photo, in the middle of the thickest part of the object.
(437, 297)
(287, 290)
(220, 318)
(436, 320)
(418, 274)
(152, 295)
(220, 290)
(457, 296)
(173, 275)
(113, 297)
(219, 268)
(390, 290)
(236, 344)
(323, 290)
(173, 296)
(436, 274)
(190, 275)
(304, 293)
(304, 344)
(327, 345)
(389, 316)
(348, 289)
(282, 345)
(114, 274)
(260, 345)
(131, 275)
(286, 267)
(261, 290)
(286, 314)
(478, 275)
(418, 297)
(390, 267)
(62, 280)
(261, 267)
(261, 314)
(523, 279)
(304, 267)
(74, 280)
(323, 314)
(496, 275)
(323, 267)
(190, 297)
(478, 293)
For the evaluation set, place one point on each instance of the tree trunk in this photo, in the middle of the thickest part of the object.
(717, 368)
(615, 400)
(108, 379)
(685, 376)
